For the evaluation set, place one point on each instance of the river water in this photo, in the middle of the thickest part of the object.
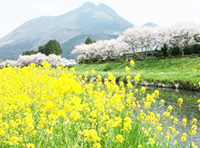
(189, 109)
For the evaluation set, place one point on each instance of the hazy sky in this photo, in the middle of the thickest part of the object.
(163, 12)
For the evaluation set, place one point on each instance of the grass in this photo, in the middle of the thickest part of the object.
(186, 69)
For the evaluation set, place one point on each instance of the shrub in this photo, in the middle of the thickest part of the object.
(29, 52)
(52, 47)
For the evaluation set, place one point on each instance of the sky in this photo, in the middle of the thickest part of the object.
(13, 13)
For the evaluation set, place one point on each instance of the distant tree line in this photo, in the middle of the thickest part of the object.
(51, 47)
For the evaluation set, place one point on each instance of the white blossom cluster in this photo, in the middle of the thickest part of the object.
(102, 49)
(140, 39)
(38, 59)
(182, 35)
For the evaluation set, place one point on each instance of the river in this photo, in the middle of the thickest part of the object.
(189, 109)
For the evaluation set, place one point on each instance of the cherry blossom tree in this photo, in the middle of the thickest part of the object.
(142, 38)
(38, 59)
(103, 49)
(182, 35)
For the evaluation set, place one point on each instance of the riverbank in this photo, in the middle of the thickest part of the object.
(180, 73)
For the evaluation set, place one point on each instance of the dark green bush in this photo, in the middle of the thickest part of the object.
(195, 48)
(29, 52)
(175, 51)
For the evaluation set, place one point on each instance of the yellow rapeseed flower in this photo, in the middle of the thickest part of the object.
(195, 120)
(184, 137)
(75, 115)
(152, 141)
(143, 89)
(184, 122)
(96, 145)
(103, 130)
(127, 69)
(120, 138)
(132, 63)
(159, 128)
(175, 142)
(137, 77)
(170, 108)
(162, 102)
(30, 145)
(167, 114)
(180, 101)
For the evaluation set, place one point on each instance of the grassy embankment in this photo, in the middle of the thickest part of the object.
(185, 69)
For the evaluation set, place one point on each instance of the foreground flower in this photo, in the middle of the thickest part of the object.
(137, 77)
(97, 145)
(184, 137)
(119, 138)
(180, 101)
(194, 120)
(184, 122)
(152, 141)
(127, 69)
(30, 145)
(132, 63)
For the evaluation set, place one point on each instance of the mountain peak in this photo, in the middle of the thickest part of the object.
(88, 4)
(106, 8)
(102, 5)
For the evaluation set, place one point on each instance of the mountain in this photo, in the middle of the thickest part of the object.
(89, 19)
(150, 24)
